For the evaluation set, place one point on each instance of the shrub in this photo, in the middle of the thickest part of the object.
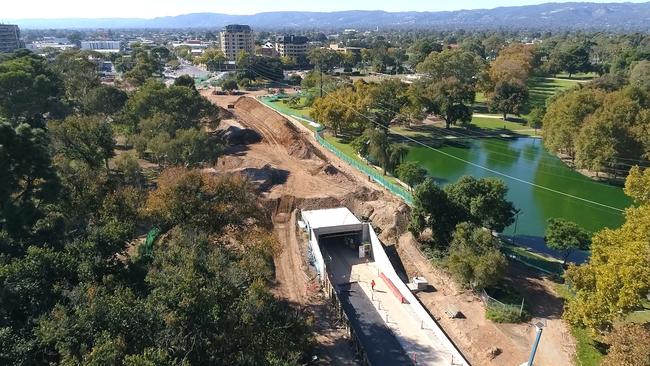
(505, 314)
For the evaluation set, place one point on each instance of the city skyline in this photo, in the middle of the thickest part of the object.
(43, 9)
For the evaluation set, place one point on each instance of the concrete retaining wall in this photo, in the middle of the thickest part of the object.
(417, 310)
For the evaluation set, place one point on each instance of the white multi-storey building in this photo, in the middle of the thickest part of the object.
(101, 46)
(236, 38)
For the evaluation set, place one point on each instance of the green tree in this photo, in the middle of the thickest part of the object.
(508, 97)
(78, 72)
(422, 48)
(182, 105)
(29, 89)
(325, 59)
(387, 100)
(616, 279)
(536, 118)
(186, 81)
(432, 209)
(229, 85)
(640, 74)
(105, 100)
(212, 58)
(475, 259)
(87, 139)
(411, 173)
(572, 57)
(189, 147)
(29, 181)
(128, 166)
(448, 89)
(565, 117)
(566, 237)
(484, 201)
(609, 133)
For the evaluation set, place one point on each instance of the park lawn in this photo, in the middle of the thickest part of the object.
(578, 76)
(539, 90)
(530, 258)
(499, 124)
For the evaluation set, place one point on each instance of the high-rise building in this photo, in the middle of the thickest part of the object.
(236, 38)
(9, 37)
(292, 46)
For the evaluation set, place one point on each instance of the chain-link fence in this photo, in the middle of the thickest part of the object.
(368, 170)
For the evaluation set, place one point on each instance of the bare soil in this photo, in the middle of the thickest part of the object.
(298, 174)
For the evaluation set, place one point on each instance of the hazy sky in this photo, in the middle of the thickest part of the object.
(13, 9)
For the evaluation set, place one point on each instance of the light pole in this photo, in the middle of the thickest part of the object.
(538, 335)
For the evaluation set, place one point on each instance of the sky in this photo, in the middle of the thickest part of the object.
(30, 9)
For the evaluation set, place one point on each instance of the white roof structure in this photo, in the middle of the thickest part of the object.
(330, 217)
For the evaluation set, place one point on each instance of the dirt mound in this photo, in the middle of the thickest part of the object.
(233, 133)
(276, 129)
(265, 177)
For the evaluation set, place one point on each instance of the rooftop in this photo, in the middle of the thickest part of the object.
(330, 217)
(237, 28)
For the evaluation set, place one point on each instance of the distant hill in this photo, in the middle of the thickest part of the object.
(612, 16)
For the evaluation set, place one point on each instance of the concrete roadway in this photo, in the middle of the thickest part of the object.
(420, 345)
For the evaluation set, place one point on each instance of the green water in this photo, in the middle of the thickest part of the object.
(540, 185)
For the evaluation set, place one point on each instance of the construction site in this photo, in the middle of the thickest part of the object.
(295, 176)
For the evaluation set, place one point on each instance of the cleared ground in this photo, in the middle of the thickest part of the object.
(315, 178)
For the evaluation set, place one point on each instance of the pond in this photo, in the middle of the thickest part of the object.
(540, 185)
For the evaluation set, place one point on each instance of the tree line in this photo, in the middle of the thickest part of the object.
(76, 285)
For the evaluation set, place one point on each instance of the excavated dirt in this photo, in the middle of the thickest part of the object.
(292, 172)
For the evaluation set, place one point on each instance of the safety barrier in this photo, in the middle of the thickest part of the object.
(393, 289)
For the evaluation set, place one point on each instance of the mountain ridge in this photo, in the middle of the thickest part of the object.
(574, 15)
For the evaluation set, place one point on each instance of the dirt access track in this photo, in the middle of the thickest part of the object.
(294, 172)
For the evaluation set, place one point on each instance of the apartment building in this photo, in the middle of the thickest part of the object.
(292, 46)
(236, 38)
(101, 46)
(9, 37)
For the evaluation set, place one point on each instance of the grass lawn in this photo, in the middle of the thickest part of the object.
(586, 352)
(539, 90)
(497, 124)
(545, 263)
(578, 76)
(283, 107)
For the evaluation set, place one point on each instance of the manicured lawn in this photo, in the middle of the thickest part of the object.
(545, 263)
(578, 76)
(498, 124)
(539, 89)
